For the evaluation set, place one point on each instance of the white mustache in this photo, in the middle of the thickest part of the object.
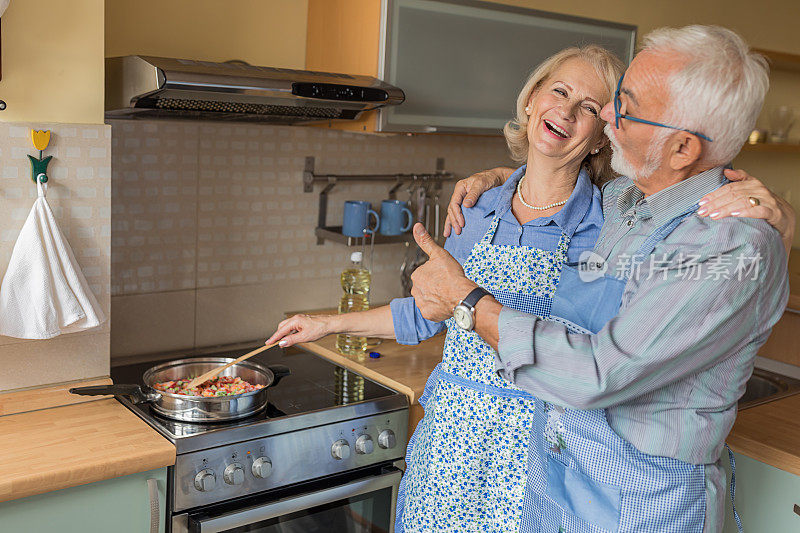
(610, 134)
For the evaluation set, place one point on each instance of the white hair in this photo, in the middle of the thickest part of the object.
(718, 92)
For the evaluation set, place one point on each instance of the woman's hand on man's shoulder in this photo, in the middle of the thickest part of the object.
(467, 192)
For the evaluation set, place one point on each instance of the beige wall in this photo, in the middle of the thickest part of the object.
(53, 61)
(261, 32)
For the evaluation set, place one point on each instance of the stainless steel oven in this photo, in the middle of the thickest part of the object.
(320, 457)
(362, 505)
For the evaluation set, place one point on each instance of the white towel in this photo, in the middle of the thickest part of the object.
(44, 292)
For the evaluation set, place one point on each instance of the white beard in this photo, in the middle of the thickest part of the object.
(622, 166)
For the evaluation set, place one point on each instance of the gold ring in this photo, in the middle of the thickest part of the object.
(754, 201)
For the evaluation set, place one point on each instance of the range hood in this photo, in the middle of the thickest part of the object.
(157, 87)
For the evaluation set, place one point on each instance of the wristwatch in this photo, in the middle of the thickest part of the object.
(464, 312)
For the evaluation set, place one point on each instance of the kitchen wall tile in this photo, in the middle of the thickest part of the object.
(154, 190)
(146, 323)
(254, 225)
(247, 312)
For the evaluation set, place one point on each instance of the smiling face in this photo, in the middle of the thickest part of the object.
(564, 112)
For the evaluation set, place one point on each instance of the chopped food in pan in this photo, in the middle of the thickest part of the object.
(220, 386)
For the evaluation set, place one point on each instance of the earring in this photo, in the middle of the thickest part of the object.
(596, 151)
(528, 110)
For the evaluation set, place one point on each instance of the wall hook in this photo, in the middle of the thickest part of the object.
(41, 139)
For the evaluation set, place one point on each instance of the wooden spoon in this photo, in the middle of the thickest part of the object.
(211, 374)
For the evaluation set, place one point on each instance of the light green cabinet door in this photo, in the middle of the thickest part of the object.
(119, 505)
(765, 497)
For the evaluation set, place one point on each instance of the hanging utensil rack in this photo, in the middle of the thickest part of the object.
(334, 233)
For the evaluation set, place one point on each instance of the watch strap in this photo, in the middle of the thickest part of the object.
(476, 294)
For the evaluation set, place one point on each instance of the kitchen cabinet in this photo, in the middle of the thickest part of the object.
(121, 505)
(460, 63)
(765, 497)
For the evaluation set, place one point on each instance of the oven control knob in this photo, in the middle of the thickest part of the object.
(205, 480)
(234, 474)
(340, 449)
(262, 467)
(386, 439)
(364, 445)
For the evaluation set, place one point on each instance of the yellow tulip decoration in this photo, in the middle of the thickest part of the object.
(41, 139)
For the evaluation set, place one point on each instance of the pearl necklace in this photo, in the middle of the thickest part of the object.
(526, 204)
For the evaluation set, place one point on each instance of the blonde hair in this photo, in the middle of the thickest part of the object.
(608, 67)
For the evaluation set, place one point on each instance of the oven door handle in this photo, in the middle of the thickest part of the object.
(252, 515)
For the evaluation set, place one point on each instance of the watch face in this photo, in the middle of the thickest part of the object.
(463, 317)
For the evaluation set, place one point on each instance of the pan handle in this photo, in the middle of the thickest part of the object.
(280, 372)
(134, 391)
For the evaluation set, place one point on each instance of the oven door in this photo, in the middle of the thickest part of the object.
(366, 505)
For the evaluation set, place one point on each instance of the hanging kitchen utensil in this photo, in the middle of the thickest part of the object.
(436, 221)
(418, 257)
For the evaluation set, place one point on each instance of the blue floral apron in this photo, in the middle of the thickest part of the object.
(467, 462)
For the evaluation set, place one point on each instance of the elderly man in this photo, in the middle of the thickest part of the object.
(639, 406)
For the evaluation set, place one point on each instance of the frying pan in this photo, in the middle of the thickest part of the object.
(198, 408)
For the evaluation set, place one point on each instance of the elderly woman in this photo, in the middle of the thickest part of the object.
(477, 460)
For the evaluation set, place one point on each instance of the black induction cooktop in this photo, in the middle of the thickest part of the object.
(315, 392)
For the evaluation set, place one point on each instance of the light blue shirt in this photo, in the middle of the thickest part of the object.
(582, 213)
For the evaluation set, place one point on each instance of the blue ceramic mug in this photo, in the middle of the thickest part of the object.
(392, 213)
(356, 218)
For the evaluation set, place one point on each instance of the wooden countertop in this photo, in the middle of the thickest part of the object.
(60, 447)
(24, 400)
(402, 368)
(770, 433)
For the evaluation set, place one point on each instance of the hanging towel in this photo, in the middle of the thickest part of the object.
(44, 292)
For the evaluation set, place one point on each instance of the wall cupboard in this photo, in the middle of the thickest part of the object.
(460, 63)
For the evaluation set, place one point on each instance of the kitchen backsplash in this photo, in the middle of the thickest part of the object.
(213, 236)
(79, 192)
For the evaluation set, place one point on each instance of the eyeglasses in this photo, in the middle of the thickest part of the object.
(618, 115)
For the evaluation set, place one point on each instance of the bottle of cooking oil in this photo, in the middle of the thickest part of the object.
(355, 282)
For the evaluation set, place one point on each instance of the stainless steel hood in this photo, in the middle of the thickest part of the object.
(157, 87)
